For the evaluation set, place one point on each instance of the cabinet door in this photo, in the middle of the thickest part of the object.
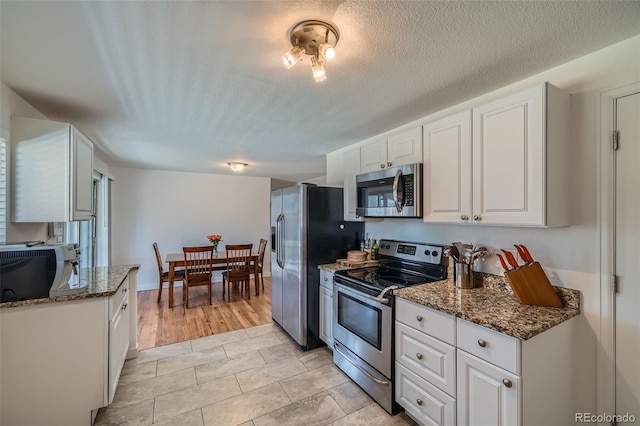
(447, 169)
(81, 177)
(508, 160)
(405, 147)
(326, 316)
(118, 344)
(373, 156)
(487, 395)
(351, 169)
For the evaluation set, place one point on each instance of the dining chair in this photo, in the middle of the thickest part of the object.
(163, 276)
(238, 268)
(261, 249)
(198, 269)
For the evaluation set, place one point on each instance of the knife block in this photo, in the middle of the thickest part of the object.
(532, 287)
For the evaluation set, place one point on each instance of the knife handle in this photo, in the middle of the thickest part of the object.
(522, 254)
(512, 260)
(504, 265)
(526, 252)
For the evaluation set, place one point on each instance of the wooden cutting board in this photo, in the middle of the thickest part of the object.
(532, 287)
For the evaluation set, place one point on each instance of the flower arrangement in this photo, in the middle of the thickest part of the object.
(215, 240)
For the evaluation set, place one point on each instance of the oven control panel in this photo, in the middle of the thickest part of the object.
(411, 251)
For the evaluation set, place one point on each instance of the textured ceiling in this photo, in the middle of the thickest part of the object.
(193, 85)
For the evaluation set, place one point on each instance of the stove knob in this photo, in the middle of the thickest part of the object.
(434, 253)
(427, 253)
(388, 246)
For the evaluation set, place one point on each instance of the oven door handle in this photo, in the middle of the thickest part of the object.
(399, 203)
(360, 296)
(362, 370)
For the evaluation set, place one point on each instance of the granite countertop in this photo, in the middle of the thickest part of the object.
(494, 306)
(335, 267)
(101, 281)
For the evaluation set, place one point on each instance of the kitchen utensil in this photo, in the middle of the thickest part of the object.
(502, 262)
(512, 260)
(463, 275)
(455, 253)
(522, 254)
(526, 252)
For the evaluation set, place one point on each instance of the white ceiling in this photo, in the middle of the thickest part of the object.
(193, 85)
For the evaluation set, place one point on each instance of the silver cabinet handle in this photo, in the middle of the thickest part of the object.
(382, 166)
(326, 279)
(482, 343)
(124, 307)
(419, 317)
(477, 217)
(507, 382)
(419, 401)
(389, 164)
(419, 355)
(464, 217)
(124, 290)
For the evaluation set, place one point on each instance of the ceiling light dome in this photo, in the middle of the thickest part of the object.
(317, 39)
(237, 166)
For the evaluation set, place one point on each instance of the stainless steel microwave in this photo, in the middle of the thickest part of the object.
(392, 192)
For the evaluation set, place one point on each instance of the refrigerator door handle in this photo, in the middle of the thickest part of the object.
(279, 242)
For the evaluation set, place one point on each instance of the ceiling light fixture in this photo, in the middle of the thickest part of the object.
(237, 166)
(317, 39)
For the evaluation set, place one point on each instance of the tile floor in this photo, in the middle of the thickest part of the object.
(252, 377)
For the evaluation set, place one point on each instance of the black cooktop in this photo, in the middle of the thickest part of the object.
(380, 277)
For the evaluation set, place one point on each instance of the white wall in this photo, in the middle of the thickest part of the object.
(571, 255)
(177, 209)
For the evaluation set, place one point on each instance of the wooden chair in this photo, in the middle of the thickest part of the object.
(163, 276)
(238, 267)
(261, 249)
(198, 269)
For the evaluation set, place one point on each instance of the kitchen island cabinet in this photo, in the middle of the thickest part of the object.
(512, 362)
(61, 357)
(501, 163)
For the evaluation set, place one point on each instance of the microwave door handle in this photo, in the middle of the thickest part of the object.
(397, 202)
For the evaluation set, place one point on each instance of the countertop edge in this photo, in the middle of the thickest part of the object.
(113, 274)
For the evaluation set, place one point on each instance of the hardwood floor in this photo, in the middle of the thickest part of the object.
(160, 325)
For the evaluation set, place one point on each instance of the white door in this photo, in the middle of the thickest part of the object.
(487, 395)
(351, 167)
(326, 316)
(447, 169)
(405, 147)
(373, 156)
(82, 178)
(627, 256)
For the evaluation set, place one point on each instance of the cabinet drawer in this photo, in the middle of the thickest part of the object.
(326, 279)
(436, 324)
(424, 402)
(431, 359)
(115, 301)
(489, 345)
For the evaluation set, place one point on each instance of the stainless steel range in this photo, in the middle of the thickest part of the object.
(364, 311)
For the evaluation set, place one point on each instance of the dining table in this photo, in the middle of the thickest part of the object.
(176, 260)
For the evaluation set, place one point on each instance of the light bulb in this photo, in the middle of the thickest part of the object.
(318, 70)
(327, 51)
(237, 166)
(292, 57)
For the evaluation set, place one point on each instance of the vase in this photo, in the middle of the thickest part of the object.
(215, 251)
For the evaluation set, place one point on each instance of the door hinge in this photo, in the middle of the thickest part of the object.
(614, 284)
(615, 140)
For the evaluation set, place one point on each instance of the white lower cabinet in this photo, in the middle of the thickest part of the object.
(478, 376)
(326, 307)
(118, 335)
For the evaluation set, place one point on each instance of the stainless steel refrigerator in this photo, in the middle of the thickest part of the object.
(307, 230)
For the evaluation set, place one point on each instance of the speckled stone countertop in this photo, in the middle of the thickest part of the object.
(101, 281)
(334, 267)
(494, 306)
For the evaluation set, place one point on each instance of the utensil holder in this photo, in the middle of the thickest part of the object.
(463, 273)
(531, 286)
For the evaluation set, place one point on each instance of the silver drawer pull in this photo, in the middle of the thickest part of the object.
(419, 401)
(419, 317)
(326, 279)
(419, 355)
(124, 290)
(482, 343)
(507, 382)
(124, 307)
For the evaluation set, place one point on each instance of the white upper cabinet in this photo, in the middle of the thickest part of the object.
(514, 149)
(52, 167)
(447, 169)
(398, 149)
(351, 164)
